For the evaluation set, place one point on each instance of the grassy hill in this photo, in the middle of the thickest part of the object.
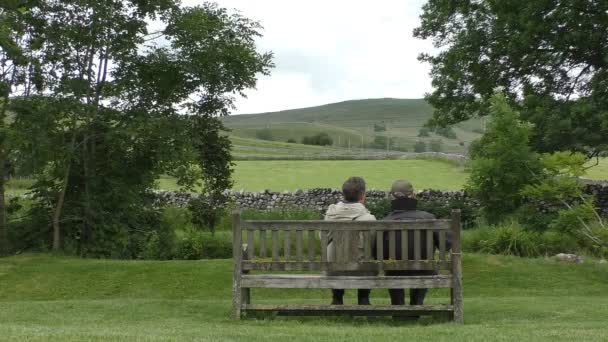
(352, 122)
(68, 299)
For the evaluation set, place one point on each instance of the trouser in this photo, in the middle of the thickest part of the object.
(338, 294)
(416, 295)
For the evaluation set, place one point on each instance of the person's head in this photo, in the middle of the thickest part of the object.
(354, 190)
(401, 189)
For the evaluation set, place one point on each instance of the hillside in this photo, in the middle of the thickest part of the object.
(69, 299)
(351, 123)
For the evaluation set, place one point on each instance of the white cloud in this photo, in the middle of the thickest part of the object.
(335, 50)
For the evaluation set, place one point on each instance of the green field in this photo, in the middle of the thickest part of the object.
(46, 298)
(379, 174)
(281, 175)
(352, 122)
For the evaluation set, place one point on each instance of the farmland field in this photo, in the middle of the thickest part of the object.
(50, 298)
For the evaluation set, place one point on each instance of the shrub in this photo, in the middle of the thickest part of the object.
(507, 239)
(207, 212)
(282, 214)
(440, 209)
(195, 245)
(420, 147)
(320, 139)
(291, 141)
(380, 127)
(502, 162)
(447, 132)
(423, 132)
(264, 134)
(436, 145)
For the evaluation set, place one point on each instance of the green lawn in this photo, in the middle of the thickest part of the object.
(599, 171)
(67, 299)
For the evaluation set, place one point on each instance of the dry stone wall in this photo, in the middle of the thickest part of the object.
(320, 199)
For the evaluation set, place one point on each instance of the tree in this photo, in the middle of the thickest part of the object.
(423, 132)
(547, 56)
(436, 145)
(119, 108)
(320, 139)
(447, 132)
(420, 146)
(502, 163)
(264, 134)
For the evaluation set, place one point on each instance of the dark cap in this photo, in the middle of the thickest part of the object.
(401, 188)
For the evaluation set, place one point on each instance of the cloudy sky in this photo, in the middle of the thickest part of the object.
(335, 50)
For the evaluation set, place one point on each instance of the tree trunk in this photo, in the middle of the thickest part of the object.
(61, 200)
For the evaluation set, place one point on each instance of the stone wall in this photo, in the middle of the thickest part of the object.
(320, 199)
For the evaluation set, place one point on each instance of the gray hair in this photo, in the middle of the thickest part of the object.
(353, 189)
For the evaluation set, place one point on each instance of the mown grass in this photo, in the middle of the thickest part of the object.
(67, 299)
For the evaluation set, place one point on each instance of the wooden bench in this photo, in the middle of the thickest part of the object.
(294, 247)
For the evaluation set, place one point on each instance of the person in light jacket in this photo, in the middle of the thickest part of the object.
(351, 209)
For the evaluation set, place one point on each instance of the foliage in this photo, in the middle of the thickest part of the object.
(206, 212)
(507, 239)
(553, 67)
(420, 146)
(423, 132)
(291, 141)
(106, 117)
(196, 245)
(436, 145)
(264, 134)
(502, 163)
(379, 127)
(319, 139)
(447, 132)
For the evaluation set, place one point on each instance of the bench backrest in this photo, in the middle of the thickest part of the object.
(358, 245)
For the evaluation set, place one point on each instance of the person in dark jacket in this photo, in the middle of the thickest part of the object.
(403, 206)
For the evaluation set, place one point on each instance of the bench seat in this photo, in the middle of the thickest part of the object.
(318, 281)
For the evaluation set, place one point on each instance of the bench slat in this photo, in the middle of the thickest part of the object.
(287, 246)
(346, 225)
(421, 265)
(314, 281)
(311, 245)
(299, 245)
(324, 241)
(417, 243)
(275, 245)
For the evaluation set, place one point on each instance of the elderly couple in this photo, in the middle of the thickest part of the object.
(403, 207)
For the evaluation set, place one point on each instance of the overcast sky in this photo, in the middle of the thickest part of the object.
(335, 50)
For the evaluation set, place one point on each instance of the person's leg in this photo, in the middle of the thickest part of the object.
(397, 295)
(417, 296)
(363, 296)
(337, 295)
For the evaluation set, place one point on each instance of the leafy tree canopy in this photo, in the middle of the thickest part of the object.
(549, 57)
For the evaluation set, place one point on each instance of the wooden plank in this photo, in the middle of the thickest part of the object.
(367, 245)
(250, 245)
(404, 245)
(287, 246)
(456, 269)
(275, 245)
(346, 225)
(311, 245)
(379, 245)
(324, 245)
(442, 245)
(237, 255)
(351, 310)
(391, 245)
(315, 281)
(430, 247)
(374, 266)
(262, 243)
(417, 245)
(299, 245)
